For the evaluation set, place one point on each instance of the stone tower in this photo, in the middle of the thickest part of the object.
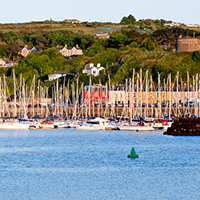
(187, 44)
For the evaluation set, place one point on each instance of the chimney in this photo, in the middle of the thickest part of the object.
(77, 46)
(91, 65)
(26, 46)
(66, 46)
(98, 65)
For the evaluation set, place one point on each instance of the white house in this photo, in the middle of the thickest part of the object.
(55, 75)
(91, 69)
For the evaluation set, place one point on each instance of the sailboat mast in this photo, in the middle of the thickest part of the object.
(15, 110)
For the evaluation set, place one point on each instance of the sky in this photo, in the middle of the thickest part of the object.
(20, 11)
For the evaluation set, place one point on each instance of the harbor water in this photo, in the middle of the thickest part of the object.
(71, 164)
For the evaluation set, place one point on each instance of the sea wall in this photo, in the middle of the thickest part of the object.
(184, 127)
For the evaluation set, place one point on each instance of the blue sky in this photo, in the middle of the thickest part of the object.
(15, 11)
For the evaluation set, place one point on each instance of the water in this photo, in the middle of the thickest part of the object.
(71, 164)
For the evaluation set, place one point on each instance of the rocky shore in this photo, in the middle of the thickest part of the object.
(184, 127)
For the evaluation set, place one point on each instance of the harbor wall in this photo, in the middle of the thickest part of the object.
(184, 127)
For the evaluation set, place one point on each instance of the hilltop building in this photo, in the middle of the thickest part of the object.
(187, 44)
(73, 21)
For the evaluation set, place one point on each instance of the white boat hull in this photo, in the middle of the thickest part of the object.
(14, 126)
(136, 128)
(89, 128)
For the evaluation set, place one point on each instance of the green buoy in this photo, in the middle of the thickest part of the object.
(133, 154)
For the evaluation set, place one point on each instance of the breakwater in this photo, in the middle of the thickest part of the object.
(184, 127)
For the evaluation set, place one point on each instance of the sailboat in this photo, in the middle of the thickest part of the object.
(141, 126)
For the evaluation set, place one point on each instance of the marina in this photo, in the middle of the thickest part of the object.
(138, 105)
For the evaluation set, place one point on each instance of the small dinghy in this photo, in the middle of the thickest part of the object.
(133, 154)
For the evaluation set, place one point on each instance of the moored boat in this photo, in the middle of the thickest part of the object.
(46, 125)
(162, 124)
(138, 127)
(13, 126)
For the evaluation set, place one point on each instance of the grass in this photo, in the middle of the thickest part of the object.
(47, 27)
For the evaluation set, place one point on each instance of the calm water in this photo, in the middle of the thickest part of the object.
(71, 164)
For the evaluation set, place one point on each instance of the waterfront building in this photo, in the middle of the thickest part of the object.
(119, 95)
(96, 93)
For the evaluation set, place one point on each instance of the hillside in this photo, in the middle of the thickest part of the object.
(136, 45)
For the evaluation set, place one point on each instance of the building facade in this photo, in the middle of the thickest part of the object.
(5, 62)
(70, 51)
(26, 50)
(92, 70)
(56, 75)
(187, 44)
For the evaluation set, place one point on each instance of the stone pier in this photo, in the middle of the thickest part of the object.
(184, 127)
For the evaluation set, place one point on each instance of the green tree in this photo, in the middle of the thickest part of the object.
(3, 50)
(13, 49)
(132, 18)
(125, 20)
(94, 49)
(196, 56)
(119, 38)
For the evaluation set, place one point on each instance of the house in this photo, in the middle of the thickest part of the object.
(56, 75)
(173, 24)
(26, 50)
(5, 62)
(70, 51)
(73, 21)
(102, 35)
(92, 70)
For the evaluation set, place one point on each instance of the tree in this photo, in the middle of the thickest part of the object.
(3, 50)
(196, 56)
(132, 18)
(125, 20)
(1, 37)
(94, 49)
(119, 38)
(13, 49)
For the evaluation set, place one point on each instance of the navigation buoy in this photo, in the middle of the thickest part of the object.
(133, 154)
